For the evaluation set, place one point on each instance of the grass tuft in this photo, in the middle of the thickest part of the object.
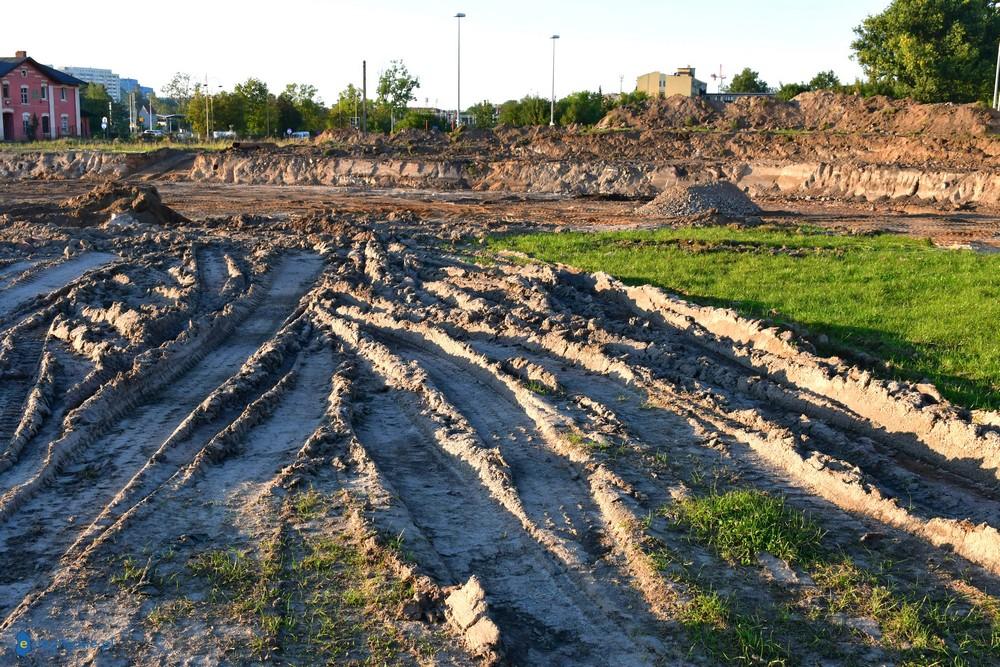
(741, 524)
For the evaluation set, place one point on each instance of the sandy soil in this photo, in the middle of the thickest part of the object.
(511, 430)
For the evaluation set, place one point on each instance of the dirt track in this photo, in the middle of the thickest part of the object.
(168, 392)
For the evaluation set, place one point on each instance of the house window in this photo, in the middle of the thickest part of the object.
(46, 127)
(62, 93)
(24, 73)
(45, 92)
(6, 90)
(24, 94)
(64, 124)
(26, 123)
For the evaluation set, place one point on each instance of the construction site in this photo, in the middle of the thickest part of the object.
(299, 404)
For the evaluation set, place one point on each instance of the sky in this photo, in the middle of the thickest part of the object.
(506, 46)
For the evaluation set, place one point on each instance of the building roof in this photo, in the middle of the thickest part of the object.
(8, 64)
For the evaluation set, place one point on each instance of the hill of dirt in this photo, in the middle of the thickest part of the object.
(722, 197)
(112, 199)
(814, 111)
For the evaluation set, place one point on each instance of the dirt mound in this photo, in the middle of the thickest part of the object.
(818, 111)
(851, 113)
(722, 197)
(674, 111)
(142, 202)
(760, 113)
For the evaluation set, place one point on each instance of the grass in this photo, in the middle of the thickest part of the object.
(113, 146)
(743, 523)
(920, 621)
(928, 312)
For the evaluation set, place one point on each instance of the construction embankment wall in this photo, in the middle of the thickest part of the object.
(567, 177)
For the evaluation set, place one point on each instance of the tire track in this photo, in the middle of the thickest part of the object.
(42, 528)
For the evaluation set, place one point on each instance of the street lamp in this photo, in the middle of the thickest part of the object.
(458, 100)
(552, 108)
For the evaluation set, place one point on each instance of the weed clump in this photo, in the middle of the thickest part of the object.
(741, 524)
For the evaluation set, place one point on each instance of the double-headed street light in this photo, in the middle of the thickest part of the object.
(552, 107)
(458, 101)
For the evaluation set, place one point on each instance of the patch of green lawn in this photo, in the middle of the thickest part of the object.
(926, 311)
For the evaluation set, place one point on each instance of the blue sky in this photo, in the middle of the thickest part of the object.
(505, 47)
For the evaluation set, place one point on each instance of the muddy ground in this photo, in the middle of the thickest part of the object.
(303, 423)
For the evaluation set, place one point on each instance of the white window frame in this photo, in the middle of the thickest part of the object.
(41, 125)
(5, 89)
(45, 92)
(64, 124)
(62, 94)
(26, 123)
(25, 95)
(24, 74)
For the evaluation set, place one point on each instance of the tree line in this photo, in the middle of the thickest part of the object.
(930, 50)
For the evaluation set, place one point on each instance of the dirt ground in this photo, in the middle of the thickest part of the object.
(282, 409)
(498, 210)
(208, 423)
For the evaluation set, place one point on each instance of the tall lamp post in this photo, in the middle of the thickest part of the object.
(552, 106)
(458, 100)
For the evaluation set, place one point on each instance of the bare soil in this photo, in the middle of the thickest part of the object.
(278, 409)
(510, 429)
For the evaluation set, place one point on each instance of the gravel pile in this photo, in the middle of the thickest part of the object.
(721, 197)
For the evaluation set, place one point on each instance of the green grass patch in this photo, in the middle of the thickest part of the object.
(739, 639)
(742, 524)
(928, 312)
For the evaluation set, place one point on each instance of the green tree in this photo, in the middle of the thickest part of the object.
(827, 80)
(747, 81)
(484, 114)
(347, 108)
(94, 103)
(258, 105)
(931, 50)
(395, 92)
(528, 110)
(421, 120)
(634, 99)
(288, 116)
(787, 91)
(308, 105)
(584, 107)
(180, 89)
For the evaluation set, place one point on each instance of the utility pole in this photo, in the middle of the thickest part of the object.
(364, 97)
(552, 107)
(206, 106)
(996, 84)
(458, 99)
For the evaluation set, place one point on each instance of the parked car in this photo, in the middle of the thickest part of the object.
(152, 135)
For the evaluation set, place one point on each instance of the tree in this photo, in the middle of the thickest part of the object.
(347, 108)
(312, 113)
(288, 116)
(484, 114)
(747, 81)
(931, 50)
(827, 80)
(788, 91)
(583, 107)
(635, 99)
(422, 120)
(527, 111)
(257, 104)
(180, 90)
(395, 92)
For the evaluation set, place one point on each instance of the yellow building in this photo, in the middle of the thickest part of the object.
(682, 82)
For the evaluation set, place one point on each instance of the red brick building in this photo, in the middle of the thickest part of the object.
(37, 101)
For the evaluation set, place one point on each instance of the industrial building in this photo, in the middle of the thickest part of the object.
(682, 82)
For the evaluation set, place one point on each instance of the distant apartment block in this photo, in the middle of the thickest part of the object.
(682, 82)
(104, 77)
(127, 86)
